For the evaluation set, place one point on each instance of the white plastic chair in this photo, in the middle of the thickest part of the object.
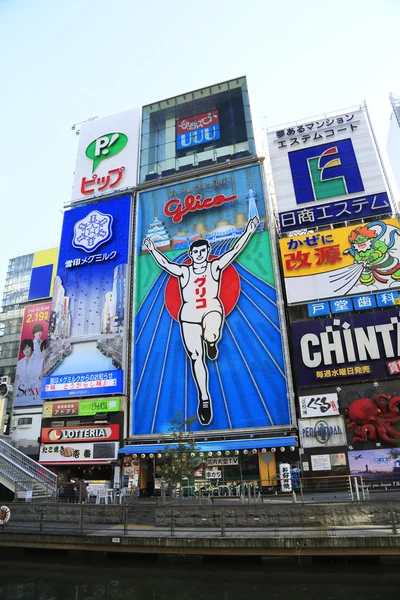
(123, 495)
(102, 495)
(92, 493)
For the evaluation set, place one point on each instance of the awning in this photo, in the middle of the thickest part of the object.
(214, 446)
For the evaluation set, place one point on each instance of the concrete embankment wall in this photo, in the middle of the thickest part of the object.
(260, 515)
(281, 515)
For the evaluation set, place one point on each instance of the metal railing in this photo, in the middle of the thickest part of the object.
(17, 467)
(300, 521)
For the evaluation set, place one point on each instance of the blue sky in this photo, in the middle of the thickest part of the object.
(63, 62)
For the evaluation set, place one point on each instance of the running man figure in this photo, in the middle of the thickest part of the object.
(201, 317)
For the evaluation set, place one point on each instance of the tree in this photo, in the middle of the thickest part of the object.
(178, 462)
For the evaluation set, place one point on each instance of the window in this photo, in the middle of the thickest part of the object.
(25, 421)
(195, 129)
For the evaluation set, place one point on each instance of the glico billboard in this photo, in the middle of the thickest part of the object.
(327, 171)
(85, 354)
(207, 333)
(196, 129)
(107, 156)
(34, 332)
(340, 262)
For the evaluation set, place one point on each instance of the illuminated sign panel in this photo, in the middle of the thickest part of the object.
(81, 433)
(43, 272)
(107, 155)
(207, 326)
(196, 129)
(327, 171)
(361, 346)
(81, 408)
(86, 346)
(339, 262)
(200, 129)
(32, 354)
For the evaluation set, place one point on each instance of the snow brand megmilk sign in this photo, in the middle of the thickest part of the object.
(351, 347)
(85, 351)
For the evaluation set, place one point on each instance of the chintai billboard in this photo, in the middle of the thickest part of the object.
(207, 336)
(360, 259)
(344, 348)
(85, 354)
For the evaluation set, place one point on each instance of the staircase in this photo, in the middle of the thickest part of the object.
(24, 476)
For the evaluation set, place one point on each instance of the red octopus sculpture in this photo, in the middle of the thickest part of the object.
(373, 419)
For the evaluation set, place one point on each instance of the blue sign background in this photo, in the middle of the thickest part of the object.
(346, 168)
(335, 212)
(247, 382)
(93, 356)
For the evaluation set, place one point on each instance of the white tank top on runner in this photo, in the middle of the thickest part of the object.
(200, 296)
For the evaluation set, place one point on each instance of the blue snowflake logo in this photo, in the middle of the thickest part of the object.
(92, 231)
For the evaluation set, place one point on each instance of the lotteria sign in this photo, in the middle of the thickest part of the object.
(75, 434)
(83, 408)
(200, 129)
(360, 346)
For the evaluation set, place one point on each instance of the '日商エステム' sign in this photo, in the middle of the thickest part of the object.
(326, 171)
(351, 260)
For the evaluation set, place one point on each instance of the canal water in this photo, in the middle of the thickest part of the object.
(130, 578)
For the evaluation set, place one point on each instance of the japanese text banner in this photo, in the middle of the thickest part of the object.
(340, 262)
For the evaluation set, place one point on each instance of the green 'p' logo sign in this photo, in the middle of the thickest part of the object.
(105, 146)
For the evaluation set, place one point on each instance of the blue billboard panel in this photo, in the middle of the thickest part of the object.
(387, 298)
(335, 212)
(364, 302)
(207, 333)
(84, 352)
(318, 309)
(340, 305)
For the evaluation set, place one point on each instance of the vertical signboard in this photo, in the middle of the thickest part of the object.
(107, 156)
(44, 267)
(32, 351)
(207, 327)
(326, 171)
(85, 352)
